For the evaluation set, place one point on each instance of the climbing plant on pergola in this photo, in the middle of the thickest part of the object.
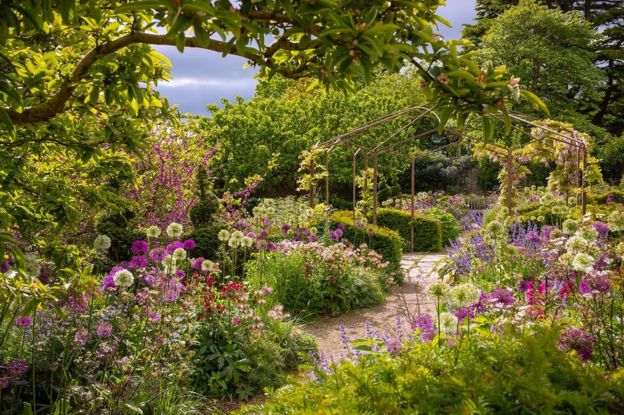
(390, 143)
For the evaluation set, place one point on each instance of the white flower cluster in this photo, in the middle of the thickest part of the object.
(123, 279)
(174, 230)
(102, 243)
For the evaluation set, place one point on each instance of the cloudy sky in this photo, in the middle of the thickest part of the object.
(202, 77)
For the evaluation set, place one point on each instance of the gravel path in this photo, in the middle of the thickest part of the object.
(405, 301)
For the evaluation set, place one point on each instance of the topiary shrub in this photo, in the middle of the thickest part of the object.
(427, 230)
(119, 229)
(450, 225)
(202, 214)
(383, 240)
(206, 240)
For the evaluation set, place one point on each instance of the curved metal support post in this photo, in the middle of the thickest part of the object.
(375, 186)
(413, 202)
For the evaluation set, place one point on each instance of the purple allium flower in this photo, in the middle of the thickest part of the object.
(336, 235)
(17, 367)
(263, 234)
(180, 273)
(464, 312)
(610, 198)
(502, 296)
(525, 285)
(313, 238)
(139, 247)
(601, 227)
(81, 337)
(266, 222)
(423, 321)
(271, 247)
(109, 282)
(4, 267)
(285, 228)
(173, 246)
(149, 279)
(22, 321)
(197, 263)
(138, 262)
(153, 316)
(341, 226)
(104, 330)
(189, 244)
(251, 235)
(157, 254)
(79, 305)
(579, 340)
(5, 383)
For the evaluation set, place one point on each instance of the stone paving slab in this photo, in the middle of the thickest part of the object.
(403, 302)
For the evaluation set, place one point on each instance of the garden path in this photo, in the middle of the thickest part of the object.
(405, 301)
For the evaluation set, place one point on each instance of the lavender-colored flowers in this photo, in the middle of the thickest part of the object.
(157, 254)
(578, 340)
(139, 247)
(104, 330)
(602, 228)
(17, 367)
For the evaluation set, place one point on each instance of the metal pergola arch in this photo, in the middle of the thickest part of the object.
(419, 113)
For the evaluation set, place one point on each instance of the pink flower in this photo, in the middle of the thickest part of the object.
(22, 321)
(104, 330)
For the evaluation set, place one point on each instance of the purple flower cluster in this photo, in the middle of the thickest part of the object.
(424, 323)
(578, 340)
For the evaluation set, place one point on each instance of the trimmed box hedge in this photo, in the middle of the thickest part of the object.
(427, 229)
(383, 240)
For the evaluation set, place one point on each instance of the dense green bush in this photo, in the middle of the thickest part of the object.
(427, 229)
(499, 374)
(207, 242)
(311, 280)
(383, 240)
(450, 225)
(618, 197)
(121, 232)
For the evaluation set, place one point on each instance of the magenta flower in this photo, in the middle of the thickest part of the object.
(17, 367)
(601, 227)
(139, 247)
(81, 337)
(108, 282)
(189, 244)
(22, 321)
(104, 330)
(197, 263)
(578, 340)
(285, 228)
(423, 321)
(158, 254)
(149, 279)
(173, 246)
(138, 262)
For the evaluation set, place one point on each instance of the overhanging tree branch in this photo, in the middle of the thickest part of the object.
(56, 104)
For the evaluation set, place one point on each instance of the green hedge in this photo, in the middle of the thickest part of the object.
(450, 225)
(383, 240)
(602, 197)
(427, 230)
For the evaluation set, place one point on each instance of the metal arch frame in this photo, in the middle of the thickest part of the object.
(387, 146)
(572, 140)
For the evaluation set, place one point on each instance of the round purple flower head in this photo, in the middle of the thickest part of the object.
(4, 267)
(578, 340)
(189, 244)
(341, 226)
(17, 367)
(610, 198)
(173, 246)
(197, 263)
(157, 254)
(139, 247)
(22, 321)
(285, 228)
(601, 227)
(109, 282)
(104, 330)
(138, 262)
(423, 321)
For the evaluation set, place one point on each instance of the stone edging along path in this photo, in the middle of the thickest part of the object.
(408, 299)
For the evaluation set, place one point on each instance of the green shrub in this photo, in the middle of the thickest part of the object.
(602, 197)
(315, 280)
(427, 230)
(450, 225)
(206, 240)
(506, 374)
(383, 240)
